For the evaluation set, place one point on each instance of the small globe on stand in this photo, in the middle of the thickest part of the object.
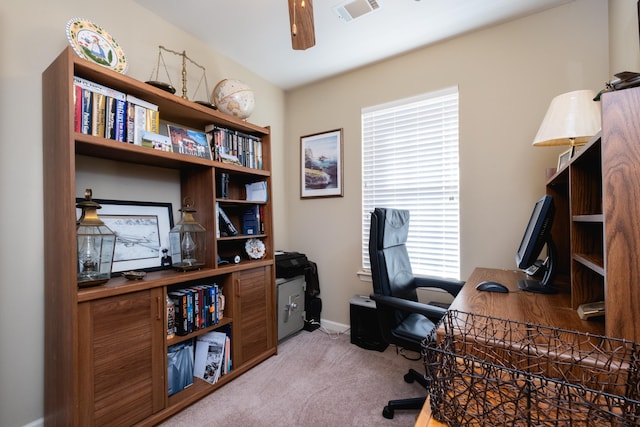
(234, 97)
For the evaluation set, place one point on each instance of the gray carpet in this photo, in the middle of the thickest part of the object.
(317, 379)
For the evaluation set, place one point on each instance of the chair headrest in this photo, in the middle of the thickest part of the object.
(393, 227)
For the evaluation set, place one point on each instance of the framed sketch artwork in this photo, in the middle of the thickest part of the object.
(321, 165)
(141, 229)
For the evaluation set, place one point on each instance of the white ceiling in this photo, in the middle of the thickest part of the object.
(255, 33)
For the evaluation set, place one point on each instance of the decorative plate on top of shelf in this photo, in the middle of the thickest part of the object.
(255, 248)
(93, 43)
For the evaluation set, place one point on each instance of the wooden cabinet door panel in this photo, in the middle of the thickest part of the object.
(255, 333)
(121, 352)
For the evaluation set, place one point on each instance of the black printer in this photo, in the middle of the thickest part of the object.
(290, 264)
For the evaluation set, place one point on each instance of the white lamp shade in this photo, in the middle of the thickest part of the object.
(572, 118)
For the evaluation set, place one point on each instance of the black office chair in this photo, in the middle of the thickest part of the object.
(403, 320)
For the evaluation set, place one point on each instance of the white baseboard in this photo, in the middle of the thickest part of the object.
(334, 326)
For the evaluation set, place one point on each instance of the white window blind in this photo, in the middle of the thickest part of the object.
(410, 161)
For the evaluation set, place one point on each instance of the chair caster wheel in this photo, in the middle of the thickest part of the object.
(408, 378)
(387, 413)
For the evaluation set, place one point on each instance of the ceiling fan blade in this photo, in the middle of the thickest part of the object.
(301, 21)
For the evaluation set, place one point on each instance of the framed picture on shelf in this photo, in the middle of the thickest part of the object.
(189, 142)
(141, 229)
(321, 165)
(563, 158)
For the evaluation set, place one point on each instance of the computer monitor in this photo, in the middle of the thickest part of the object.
(536, 236)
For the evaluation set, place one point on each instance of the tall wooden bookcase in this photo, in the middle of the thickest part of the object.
(106, 346)
(597, 222)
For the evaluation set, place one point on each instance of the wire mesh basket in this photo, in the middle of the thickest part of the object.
(486, 371)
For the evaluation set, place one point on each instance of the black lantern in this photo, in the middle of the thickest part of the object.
(187, 241)
(96, 243)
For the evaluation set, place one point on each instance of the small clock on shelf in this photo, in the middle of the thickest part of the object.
(255, 248)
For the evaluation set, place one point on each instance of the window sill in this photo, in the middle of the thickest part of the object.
(364, 276)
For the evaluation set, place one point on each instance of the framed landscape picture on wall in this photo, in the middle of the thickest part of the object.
(321, 165)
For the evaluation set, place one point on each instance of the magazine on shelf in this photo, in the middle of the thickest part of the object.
(210, 356)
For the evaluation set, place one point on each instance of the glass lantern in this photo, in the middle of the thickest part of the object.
(95, 244)
(187, 241)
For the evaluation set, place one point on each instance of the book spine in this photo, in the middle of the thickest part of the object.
(189, 311)
(110, 118)
(180, 307)
(131, 124)
(87, 105)
(152, 121)
(139, 123)
(77, 104)
(99, 114)
(120, 120)
(216, 314)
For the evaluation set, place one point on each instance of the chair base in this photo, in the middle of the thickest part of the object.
(411, 403)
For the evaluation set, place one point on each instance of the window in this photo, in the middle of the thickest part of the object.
(410, 161)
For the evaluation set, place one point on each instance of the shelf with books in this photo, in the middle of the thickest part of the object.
(67, 334)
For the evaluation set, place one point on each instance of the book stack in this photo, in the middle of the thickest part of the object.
(142, 116)
(212, 356)
(197, 307)
(230, 146)
(108, 113)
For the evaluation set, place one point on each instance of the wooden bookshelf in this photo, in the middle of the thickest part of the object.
(106, 346)
(597, 216)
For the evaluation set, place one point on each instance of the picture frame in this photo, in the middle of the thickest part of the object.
(564, 158)
(189, 142)
(321, 169)
(141, 229)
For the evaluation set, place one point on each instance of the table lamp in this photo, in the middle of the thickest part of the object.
(572, 119)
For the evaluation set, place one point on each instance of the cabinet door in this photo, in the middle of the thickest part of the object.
(254, 320)
(121, 357)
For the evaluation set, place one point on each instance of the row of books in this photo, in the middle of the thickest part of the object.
(196, 307)
(108, 113)
(230, 146)
(209, 359)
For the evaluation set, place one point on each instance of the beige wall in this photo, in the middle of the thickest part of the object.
(32, 34)
(624, 49)
(506, 75)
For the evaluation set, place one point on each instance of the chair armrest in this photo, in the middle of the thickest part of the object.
(430, 311)
(452, 286)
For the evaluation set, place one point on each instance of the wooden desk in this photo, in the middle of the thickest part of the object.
(546, 309)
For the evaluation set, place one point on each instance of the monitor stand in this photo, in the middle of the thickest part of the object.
(548, 268)
(534, 286)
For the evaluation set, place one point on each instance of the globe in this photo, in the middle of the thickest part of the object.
(234, 98)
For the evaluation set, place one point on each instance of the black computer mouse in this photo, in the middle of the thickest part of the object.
(492, 287)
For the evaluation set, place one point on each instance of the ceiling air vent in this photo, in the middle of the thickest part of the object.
(353, 9)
